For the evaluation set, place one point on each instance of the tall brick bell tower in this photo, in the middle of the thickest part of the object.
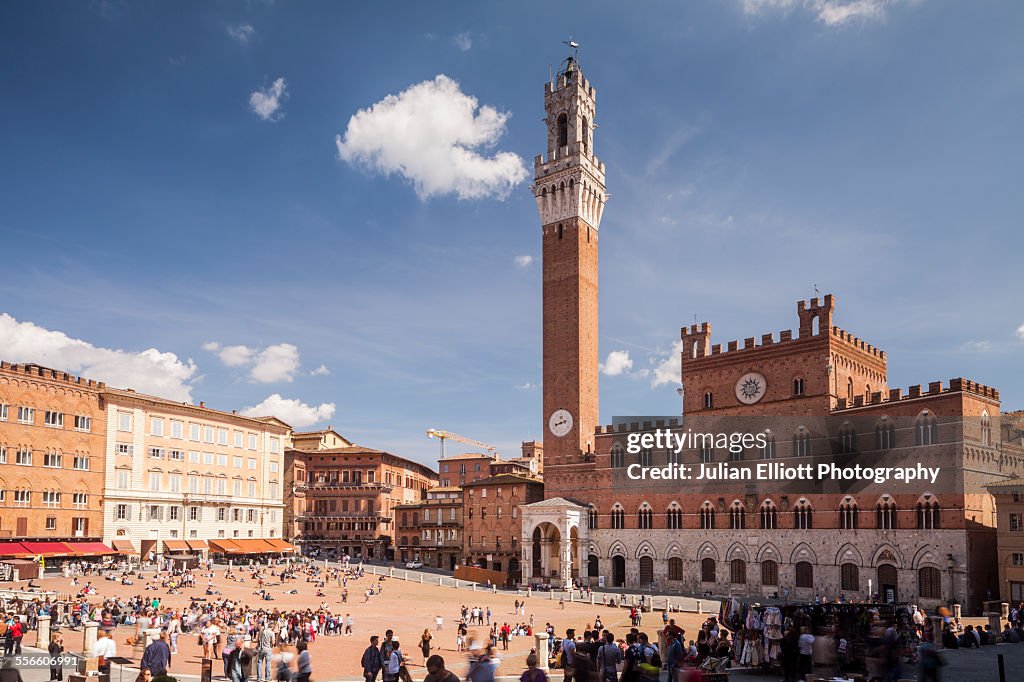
(570, 192)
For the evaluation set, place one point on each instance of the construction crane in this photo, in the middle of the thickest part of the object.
(448, 435)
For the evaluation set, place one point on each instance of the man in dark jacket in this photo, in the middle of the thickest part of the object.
(157, 656)
(372, 662)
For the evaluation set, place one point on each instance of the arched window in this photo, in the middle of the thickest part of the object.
(928, 514)
(738, 572)
(929, 583)
(618, 517)
(885, 514)
(769, 573)
(798, 387)
(768, 451)
(675, 568)
(644, 517)
(885, 435)
(926, 428)
(585, 134)
(707, 454)
(849, 577)
(707, 516)
(618, 456)
(592, 517)
(803, 515)
(707, 570)
(563, 130)
(849, 391)
(986, 430)
(867, 393)
(801, 442)
(804, 574)
(849, 515)
(674, 517)
(737, 516)
(709, 399)
(847, 437)
(769, 515)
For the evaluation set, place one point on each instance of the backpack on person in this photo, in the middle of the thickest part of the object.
(654, 659)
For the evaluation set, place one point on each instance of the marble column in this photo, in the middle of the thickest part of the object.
(43, 632)
(89, 637)
(541, 645)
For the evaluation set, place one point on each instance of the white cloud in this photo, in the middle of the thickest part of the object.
(618, 362)
(463, 41)
(232, 356)
(526, 386)
(320, 371)
(431, 134)
(828, 12)
(275, 363)
(294, 412)
(1020, 332)
(523, 261)
(279, 362)
(977, 346)
(669, 369)
(149, 371)
(243, 33)
(266, 102)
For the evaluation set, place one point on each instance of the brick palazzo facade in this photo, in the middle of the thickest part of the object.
(341, 496)
(824, 395)
(52, 434)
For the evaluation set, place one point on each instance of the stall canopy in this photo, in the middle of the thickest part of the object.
(281, 546)
(251, 546)
(175, 546)
(224, 546)
(124, 547)
(14, 549)
(89, 548)
(197, 545)
(48, 549)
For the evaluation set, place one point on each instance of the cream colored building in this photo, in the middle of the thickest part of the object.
(179, 475)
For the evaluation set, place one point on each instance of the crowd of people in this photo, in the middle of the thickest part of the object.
(252, 640)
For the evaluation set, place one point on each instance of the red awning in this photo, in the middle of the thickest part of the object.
(197, 545)
(48, 549)
(15, 549)
(175, 546)
(89, 548)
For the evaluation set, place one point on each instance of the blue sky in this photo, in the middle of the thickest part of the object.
(172, 181)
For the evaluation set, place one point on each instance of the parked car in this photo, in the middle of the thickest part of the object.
(414, 564)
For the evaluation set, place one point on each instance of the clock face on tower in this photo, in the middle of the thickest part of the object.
(750, 388)
(560, 422)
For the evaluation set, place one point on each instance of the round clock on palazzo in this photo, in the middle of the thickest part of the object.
(750, 388)
(560, 422)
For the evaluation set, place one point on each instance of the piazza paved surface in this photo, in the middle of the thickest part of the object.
(409, 607)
